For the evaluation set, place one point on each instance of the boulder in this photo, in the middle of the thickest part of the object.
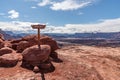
(49, 41)
(5, 50)
(16, 40)
(22, 45)
(14, 43)
(31, 38)
(35, 56)
(9, 60)
(1, 43)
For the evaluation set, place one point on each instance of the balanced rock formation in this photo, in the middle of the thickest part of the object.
(35, 56)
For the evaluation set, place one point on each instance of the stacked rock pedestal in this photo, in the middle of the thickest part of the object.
(34, 56)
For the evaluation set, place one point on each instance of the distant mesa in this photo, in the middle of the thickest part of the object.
(6, 36)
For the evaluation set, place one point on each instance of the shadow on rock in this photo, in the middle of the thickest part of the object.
(55, 58)
(44, 67)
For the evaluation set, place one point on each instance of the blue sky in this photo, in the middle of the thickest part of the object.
(61, 16)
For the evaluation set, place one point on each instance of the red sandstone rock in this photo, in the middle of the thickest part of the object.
(5, 50)
(9, 60)
(14, 46)
(49, 41)
(32, 40)
(22, 45)
(14, 43)
(16, 40)
(34, 56)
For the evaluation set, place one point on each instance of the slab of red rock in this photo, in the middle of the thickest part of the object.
(5, 50)
(9, 60)
(34, 56)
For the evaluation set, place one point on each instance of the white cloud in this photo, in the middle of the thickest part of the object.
(44, 2)
(108, 25)
(70, 5)
(66, 4)
(13, 14)
(17, 26)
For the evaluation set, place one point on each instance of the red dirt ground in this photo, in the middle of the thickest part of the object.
(79, 63)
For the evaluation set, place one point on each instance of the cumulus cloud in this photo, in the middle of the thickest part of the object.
(70, 5)
(66, 4)
(17, 26)
(108, 25)
(13, 14)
